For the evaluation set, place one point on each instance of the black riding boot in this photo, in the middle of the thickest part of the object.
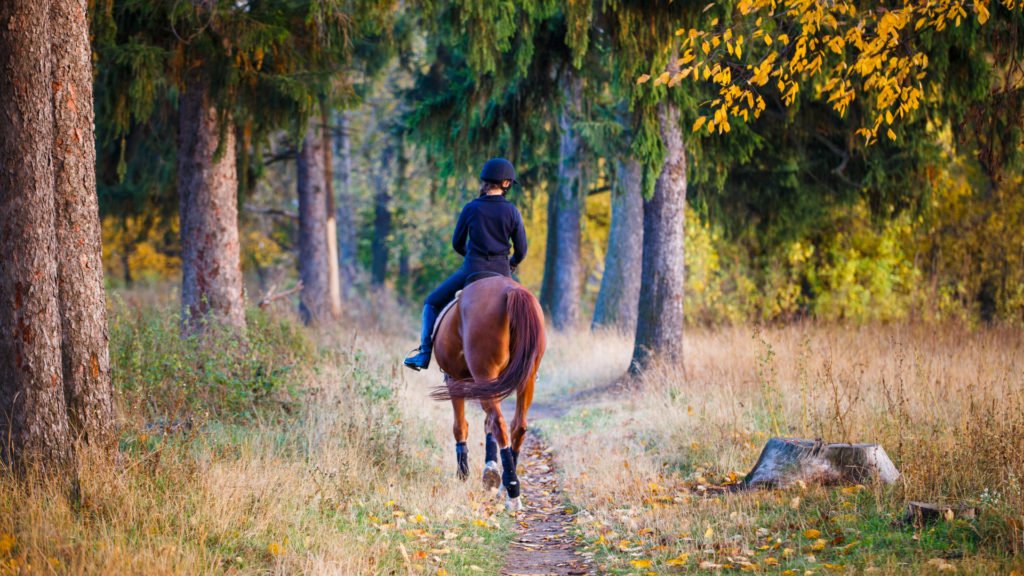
(421, 360)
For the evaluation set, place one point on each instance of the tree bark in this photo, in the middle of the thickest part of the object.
(382, 216)
(346, 208)
(314, 302)
(566, 205)
(785, 461)
(86, 358)
(34, 429)
(212, 291)
(619, 296)
(659, 330)
(547, 283)
(333, 265)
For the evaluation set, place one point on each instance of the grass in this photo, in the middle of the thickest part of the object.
(298, 451)
(947, 403)
(303, 451)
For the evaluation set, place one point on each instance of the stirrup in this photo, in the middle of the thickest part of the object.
(412, 355)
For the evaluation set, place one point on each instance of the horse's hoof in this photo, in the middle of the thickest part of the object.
(492, 476)
(513, 505)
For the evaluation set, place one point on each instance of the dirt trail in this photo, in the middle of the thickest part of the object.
(543, 545)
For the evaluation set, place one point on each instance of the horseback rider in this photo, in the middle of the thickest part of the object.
(482, 235)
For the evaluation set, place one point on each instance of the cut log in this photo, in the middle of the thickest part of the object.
(785, 461)
(921, 513)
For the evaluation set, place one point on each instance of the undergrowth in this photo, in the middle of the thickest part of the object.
(647, 461)
(291, 451)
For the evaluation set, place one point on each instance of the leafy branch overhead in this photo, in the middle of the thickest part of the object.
(835, 51)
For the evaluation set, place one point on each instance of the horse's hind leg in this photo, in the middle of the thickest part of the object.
(492, 473)
(523, 400)
(461, 432)
(509, 477)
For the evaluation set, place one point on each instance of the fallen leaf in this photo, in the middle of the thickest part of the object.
(812, 534)
(680, 560)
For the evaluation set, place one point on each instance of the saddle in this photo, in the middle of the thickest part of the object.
(444, 311)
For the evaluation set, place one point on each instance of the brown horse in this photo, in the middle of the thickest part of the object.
(489, 345)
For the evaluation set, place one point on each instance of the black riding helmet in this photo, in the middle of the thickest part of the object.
(497, 170)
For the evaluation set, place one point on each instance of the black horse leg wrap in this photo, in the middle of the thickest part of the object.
(491, 447)
(462, 458)
(508, 475)
(515, 457)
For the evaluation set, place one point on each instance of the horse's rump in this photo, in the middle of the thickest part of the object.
(519, 322)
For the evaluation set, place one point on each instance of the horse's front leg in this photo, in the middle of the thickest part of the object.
(461, 432)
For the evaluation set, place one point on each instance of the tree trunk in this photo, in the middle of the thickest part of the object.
(346, 209)
(619, 296)
(333, 271)
(86, 357)
(547, 284)
(34, 428)
(564, 288)
(382, 216)
(212, 289)
(659, 330)
(314, 302)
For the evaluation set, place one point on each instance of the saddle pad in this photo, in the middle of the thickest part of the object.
(444, 312)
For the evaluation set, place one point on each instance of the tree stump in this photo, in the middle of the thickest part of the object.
(785, 461)
(921, 513)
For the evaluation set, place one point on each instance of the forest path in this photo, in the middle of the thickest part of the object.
(543, 544)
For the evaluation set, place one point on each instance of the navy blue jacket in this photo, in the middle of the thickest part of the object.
(485, 227)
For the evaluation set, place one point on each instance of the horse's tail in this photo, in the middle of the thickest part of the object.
(525, 325)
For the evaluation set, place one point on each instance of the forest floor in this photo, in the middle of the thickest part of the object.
(315, 452)
(645, 463)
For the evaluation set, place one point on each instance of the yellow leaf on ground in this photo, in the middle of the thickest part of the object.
(680, 560)
(812, 534)
(7, 542)
(641, 563)
(709, 532)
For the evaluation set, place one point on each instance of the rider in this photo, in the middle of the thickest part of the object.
(482, 235)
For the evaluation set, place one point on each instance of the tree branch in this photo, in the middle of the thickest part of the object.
(267, 211)
(289, 154)
(270, 296)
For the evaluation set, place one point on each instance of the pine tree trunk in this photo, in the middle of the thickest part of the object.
(565, 286)
(659, 331)
(333, 269)
(212, 291)
(34, 428)
(314, 301)
(86, 357)
(346, 208)
(619, 296)
(382, 217)
(547, 284)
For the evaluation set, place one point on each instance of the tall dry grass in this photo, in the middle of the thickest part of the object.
(342, 467)
(947, 404)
